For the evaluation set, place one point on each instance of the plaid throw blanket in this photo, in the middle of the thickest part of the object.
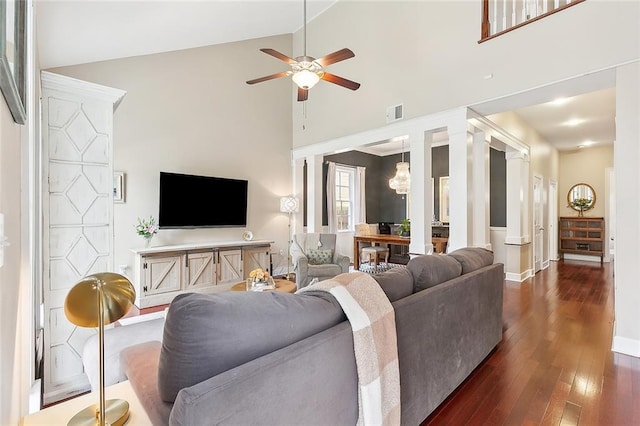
(374, 342)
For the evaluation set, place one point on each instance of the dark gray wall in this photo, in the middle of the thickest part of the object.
(498, 189)
(384, 205)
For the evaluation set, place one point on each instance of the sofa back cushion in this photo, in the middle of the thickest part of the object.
(396, 283)
(429, 270)
(206, 334)
(472, 258)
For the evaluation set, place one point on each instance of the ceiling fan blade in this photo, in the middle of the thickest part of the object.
(334, 57)
(279, 55)
(268, 77)
(332, 78)
(303, 94)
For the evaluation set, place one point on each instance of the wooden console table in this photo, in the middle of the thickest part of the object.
(439, 244)
(375, 239)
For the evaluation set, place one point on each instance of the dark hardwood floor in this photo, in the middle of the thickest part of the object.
(554, 365)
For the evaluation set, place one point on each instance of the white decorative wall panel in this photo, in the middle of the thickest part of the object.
(78, 215)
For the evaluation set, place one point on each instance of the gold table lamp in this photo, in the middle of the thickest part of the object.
(95, 301)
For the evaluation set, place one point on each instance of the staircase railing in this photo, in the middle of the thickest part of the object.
(502, 16)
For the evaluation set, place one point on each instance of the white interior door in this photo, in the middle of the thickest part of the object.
(538, 228)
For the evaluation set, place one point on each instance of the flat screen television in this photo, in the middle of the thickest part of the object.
(191, 201)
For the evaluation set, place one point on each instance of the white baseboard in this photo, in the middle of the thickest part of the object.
(626, 346)
(512, 276)
(545, 264)
(583, 257)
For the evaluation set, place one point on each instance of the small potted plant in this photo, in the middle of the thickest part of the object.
(404, 230)
(580, 204)
(147, 228)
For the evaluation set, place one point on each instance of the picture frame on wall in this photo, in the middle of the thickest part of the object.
(13, 16)
(118, 187)
(444, 199)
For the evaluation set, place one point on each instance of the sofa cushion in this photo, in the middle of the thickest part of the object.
(206, 334)
(472, 258)
(396, 283)
(320, 256)
(429, 270)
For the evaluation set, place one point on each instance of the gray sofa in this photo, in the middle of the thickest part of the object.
(287, 359)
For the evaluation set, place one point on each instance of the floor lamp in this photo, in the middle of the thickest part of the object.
(95, 301)
(289, 205)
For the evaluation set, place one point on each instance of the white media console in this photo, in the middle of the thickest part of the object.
(161, 273)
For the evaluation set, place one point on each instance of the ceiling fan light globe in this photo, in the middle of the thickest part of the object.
(305, 79)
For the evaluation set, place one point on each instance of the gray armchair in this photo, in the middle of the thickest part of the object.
(314, 256)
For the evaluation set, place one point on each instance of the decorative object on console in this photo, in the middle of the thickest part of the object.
(401, 182)
(147, 228)
(247, 235)
(95, 301)
(260, 280)
(404, 230)
(306, 71)
(289, 205)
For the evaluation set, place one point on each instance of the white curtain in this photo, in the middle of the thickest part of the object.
(331, 197)
(360, 196)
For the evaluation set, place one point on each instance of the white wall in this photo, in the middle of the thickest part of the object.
(191, 111)
(12, 350)
(585, 165)
(426, 55)
(627, 176)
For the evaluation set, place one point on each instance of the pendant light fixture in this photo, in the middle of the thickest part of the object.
(401, 182)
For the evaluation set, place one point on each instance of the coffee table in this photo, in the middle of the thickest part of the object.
(284, 286)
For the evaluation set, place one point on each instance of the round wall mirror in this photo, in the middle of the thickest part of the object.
(581, 197)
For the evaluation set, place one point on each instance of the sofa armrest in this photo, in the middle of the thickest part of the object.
(301, 268)
(343, 261)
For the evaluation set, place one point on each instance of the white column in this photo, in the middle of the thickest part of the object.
(481, 194)
(626, 155)
(518, 239)
(421, 193)
(460, 154)
(314, 193)
(517, 198)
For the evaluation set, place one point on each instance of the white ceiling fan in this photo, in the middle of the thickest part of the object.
(306, 71)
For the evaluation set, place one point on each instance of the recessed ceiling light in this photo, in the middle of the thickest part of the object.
(559, 101)
(574, 122)
(586, 144)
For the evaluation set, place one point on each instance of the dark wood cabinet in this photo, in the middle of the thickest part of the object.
(582, 235)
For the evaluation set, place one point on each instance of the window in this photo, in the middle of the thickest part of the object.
(345, 194)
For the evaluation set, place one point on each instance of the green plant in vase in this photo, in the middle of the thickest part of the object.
(580, 204)
(404, 230)
(147, 228)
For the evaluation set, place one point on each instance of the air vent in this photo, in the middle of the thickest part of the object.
(395, 113)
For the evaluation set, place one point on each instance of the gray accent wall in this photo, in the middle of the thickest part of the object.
(384, 205)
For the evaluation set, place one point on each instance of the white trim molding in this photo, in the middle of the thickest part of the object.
(626, 346)
(511, 276)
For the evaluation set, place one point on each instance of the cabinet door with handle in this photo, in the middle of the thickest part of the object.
(201, 270)
(230, 267)
(161, 274)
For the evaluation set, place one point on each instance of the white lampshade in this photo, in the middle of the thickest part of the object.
(305, 79)
(401, 182)
(289, 204)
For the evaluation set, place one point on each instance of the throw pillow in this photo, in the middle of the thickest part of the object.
(320, 256)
